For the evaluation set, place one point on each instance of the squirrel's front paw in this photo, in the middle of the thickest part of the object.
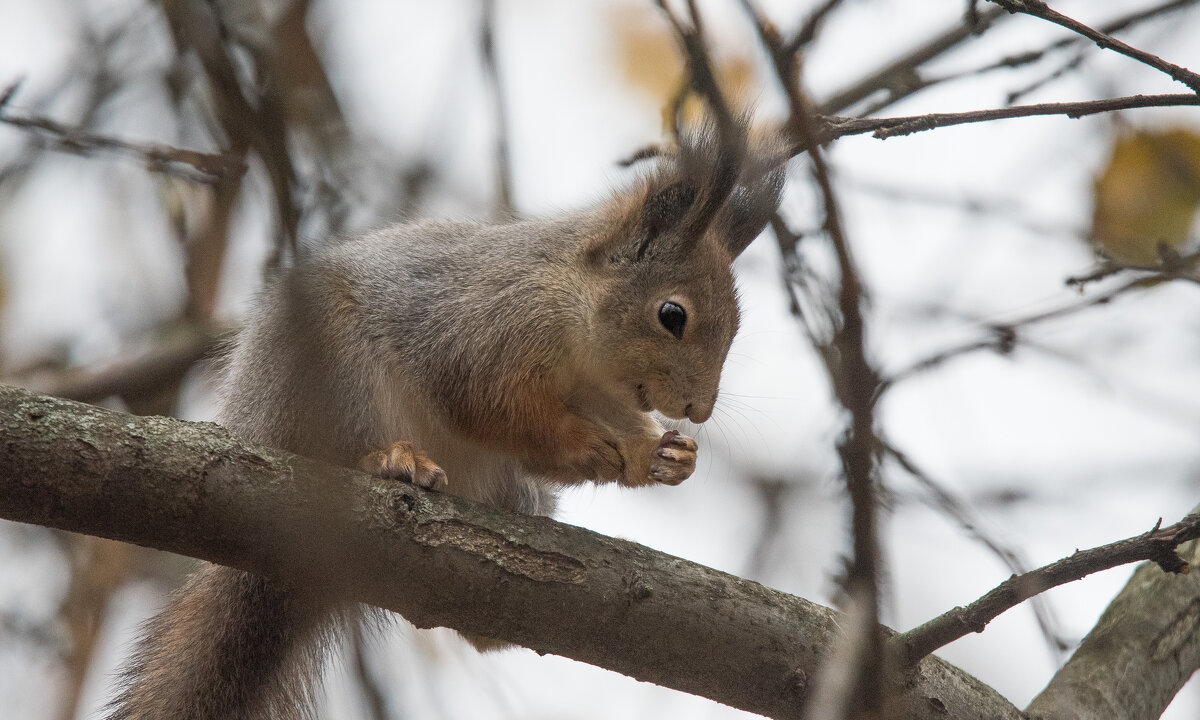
(600, 460)
(674, 458)
(402, 461)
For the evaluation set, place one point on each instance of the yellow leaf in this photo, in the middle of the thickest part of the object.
(1147, 195)
(651, 63)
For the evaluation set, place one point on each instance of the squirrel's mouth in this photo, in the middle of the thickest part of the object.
(643, 399)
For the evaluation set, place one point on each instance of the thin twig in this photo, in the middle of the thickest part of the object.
(957, 509)
(193, 165)
(1039, 9)
(896, 72)
(1158, 545)
(1005, 335)
(901, 78)
(883, 128)
(1029, 57)
(1073, 63)
(487, 48)
(998, 343)
(812, 25)
(1172, 267)
(1117, 25)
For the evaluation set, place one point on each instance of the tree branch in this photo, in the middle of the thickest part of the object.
(487, 47)
(884, 128)
(248, 121)
(1170, 267)
(138, 374)
(897, 74)
(917, 81)
(190, 164)
(195, 489)
(1157, 545)
(957, 510)
(1039, 9)
(1137, 657)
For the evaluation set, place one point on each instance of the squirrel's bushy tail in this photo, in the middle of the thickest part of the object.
(229, 646)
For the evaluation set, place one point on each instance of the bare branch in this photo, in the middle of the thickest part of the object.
(700, 69)
(1158, 545)
(248, 122)
(192, 165)
(1137, 657)
(812, 24)
(1039, 9)
(918, 82)
(1005, 335)
(896, 74)
(957, 510)
(487, 48)
(702, 77)
(1171, 267)
(139, 373)
(891, 127)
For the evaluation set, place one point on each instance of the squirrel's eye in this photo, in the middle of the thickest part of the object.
(673, 317)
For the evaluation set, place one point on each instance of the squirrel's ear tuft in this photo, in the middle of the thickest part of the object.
(663, 210)
(749, 208)
(703, 186)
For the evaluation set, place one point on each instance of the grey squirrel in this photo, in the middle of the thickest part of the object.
(497, 362)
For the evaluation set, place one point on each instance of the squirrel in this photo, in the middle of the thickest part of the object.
(497, 362)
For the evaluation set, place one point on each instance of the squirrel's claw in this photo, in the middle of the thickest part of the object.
(674, 460)
(402, 461)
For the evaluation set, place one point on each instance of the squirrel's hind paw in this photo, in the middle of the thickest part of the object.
(674, 460)
(402, 461)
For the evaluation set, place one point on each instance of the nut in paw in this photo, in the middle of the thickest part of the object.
(674, 459)
(402, 461)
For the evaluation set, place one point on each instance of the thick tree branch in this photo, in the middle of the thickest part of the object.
(194, 488)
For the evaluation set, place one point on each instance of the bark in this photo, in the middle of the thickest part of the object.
(196, 489)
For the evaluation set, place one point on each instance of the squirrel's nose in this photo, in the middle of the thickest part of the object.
(698, 413)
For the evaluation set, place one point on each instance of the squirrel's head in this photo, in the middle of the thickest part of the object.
(666, 311)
